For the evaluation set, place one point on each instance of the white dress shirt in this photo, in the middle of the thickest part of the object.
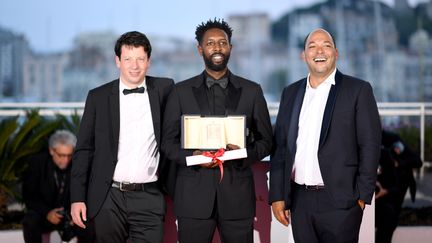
(137, 156)
(306, 170)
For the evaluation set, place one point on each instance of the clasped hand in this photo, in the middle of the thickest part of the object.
(214, 162)
(54, 216)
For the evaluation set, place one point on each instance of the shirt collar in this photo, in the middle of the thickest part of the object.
(329, 80)
(226, 75)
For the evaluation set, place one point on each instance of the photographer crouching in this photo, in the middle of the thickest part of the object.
(46, 192)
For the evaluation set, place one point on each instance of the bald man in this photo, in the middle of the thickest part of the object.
(327, 147)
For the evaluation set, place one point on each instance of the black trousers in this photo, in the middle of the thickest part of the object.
(192, 230)
(386, 220)
(34, 225)
(134, 215)
(315, 219)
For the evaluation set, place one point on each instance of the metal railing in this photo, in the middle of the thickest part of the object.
(45, 109)
(421, 110)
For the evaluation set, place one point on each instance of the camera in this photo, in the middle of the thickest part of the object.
(377, 189)
(65, 228)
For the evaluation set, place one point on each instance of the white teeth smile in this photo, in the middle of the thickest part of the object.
(319, 59)
(217, 57)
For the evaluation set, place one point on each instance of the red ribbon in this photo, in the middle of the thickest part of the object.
(215, 157)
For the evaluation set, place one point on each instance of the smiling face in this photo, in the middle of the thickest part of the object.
(133, 65)
(215, 49)
(320, 54)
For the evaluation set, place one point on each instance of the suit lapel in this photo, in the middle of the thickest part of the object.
(200, 93)
(293, 127)
(154, 106)
(114, 104)
(328, 112)
(234, 94)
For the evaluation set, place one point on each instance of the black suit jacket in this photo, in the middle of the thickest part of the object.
(197, 188)
(39, 186)
(95, 155)
(349, 147)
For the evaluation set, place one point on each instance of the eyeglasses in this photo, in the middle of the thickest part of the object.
(60, 155)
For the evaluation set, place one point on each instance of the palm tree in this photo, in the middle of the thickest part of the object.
(71, 122)
(19, 138)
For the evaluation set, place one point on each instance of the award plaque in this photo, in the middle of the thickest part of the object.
(212, 132)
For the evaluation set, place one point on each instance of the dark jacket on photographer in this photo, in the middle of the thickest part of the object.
(405, 161)
(45, 186)
(395, 176)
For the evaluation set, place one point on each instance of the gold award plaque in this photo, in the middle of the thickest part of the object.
(212, 132)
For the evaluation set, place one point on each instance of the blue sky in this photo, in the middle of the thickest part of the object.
(51, 25)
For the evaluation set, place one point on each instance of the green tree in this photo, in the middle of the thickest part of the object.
(19, 138)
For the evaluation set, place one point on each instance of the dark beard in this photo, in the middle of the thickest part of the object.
(216, 67)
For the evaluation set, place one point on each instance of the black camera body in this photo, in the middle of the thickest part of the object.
(65, 228)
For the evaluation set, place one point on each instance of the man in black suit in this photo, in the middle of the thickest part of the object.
(395, 177)
(115, 165)
(327, 148)
(202, 202)
(46, 192)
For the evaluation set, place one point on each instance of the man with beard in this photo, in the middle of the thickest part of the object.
(202, 201)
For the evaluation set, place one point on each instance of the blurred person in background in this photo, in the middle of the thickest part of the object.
(395, 177)
(46, 192)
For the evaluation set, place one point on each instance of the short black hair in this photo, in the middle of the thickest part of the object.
(307, 36)
(212, 24)
(135, 39)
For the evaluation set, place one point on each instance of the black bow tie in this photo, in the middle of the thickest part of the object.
(223, 82)
(136, 90)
